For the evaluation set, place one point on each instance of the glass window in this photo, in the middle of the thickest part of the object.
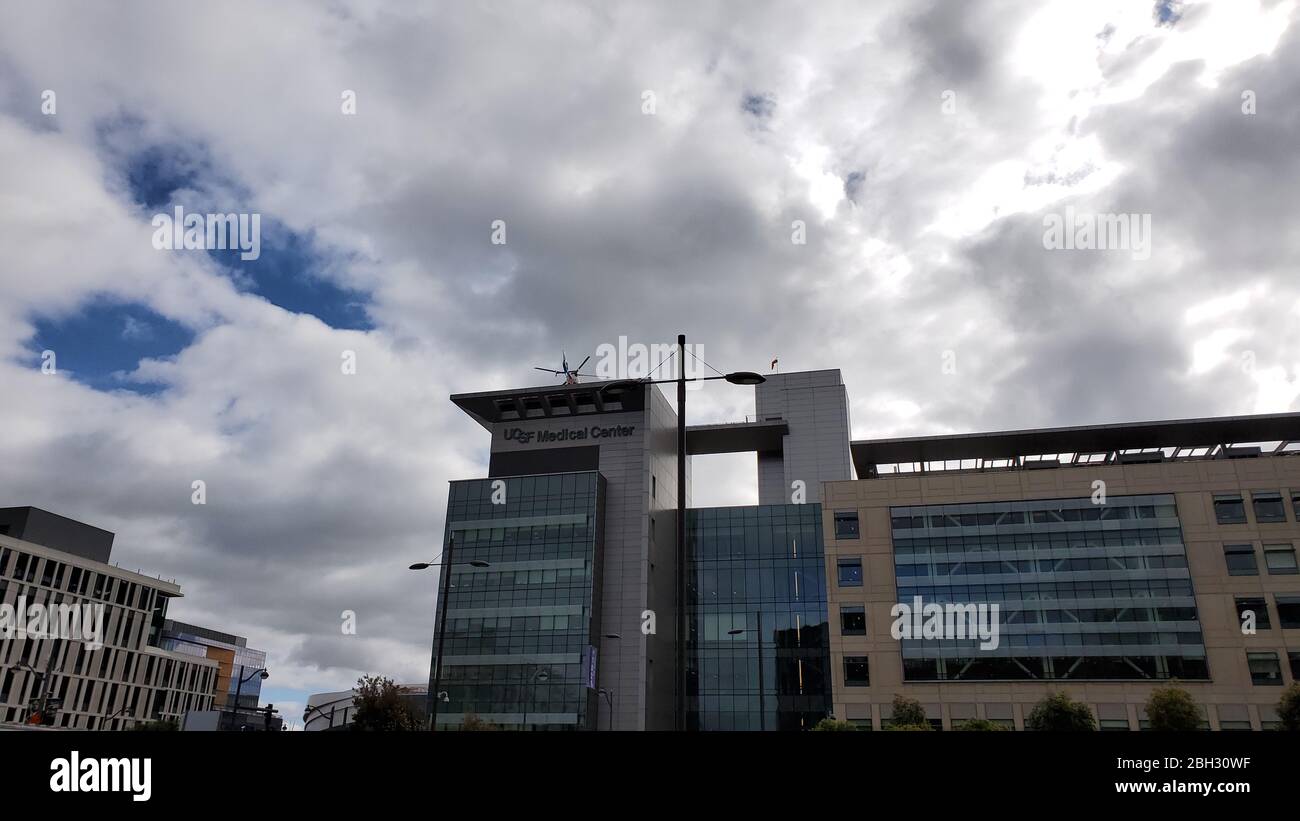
(1280, 559)
(1295, 504)
(1258, 607)
(1294, 657)
(1288, 611)
(856, 673)
(1264, 668)
(1268, 507)
(850, 572)
(846, 524)
(1240, 559)
(1229, 509)
(853, 620)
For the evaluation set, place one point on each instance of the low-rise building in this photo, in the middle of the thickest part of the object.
(81, 636)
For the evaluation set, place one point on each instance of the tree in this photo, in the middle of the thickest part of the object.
(831, 725)
(908, 712)
(380, 706)
(1171, 708)
(979, 724)
(1058, 713)
(473, 723)
(1288, 707)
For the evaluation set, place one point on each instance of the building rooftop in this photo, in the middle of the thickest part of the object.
(519, 404)
(1223, 437)
(31, 524)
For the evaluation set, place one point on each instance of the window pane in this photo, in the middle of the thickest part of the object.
(1256, 606)
(846, 524)
(856, 673)
(1280, 560)
(1264, 668)
(1229, 510)
(1241, 560)
(1288, 611)
(853, 621)
(1268, 507)
(850, 572)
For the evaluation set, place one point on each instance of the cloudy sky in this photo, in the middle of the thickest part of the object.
(653, 167)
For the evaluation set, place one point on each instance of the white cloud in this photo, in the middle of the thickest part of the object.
(323, 487)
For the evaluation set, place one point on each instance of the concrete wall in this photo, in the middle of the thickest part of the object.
(816, 406)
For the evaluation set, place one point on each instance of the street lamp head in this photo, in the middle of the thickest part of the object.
(735, 632)
(265, 675)
(613, 636)
(745, 378)
(480, 563)
(420, 566)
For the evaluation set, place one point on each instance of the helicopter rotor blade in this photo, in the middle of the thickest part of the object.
(584, 362)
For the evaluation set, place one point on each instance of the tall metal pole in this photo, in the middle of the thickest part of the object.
(681, 532)
(762, 697)
(442, 628)
(239, 689)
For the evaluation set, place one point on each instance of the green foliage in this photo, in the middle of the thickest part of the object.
(1288, 708)
(908, 712)
(980, 725)
(1172, 709)
(1058, 713)
(473, 723)
(896, 728)
(832, 725)
(380, 707)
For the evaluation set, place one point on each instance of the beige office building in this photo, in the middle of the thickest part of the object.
(1120, 557)
(106, 672)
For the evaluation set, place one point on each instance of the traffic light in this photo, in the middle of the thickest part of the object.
(38, 717)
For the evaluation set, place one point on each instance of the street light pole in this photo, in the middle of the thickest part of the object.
(735, 378)
(239, 688)
(762, 697)
(680, 707)
(442, 631)
(42, 703)
(539, 674)
(444, 581)
(609, 697)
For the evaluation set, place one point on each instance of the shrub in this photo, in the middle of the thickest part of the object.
(1058, 713)
(1288, 708)
(908, 712)
(980, 724)
(1172, 709)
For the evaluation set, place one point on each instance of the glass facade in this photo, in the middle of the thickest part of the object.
(1086, 591)
(197, 641)
(758, 651)
(519, 631)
